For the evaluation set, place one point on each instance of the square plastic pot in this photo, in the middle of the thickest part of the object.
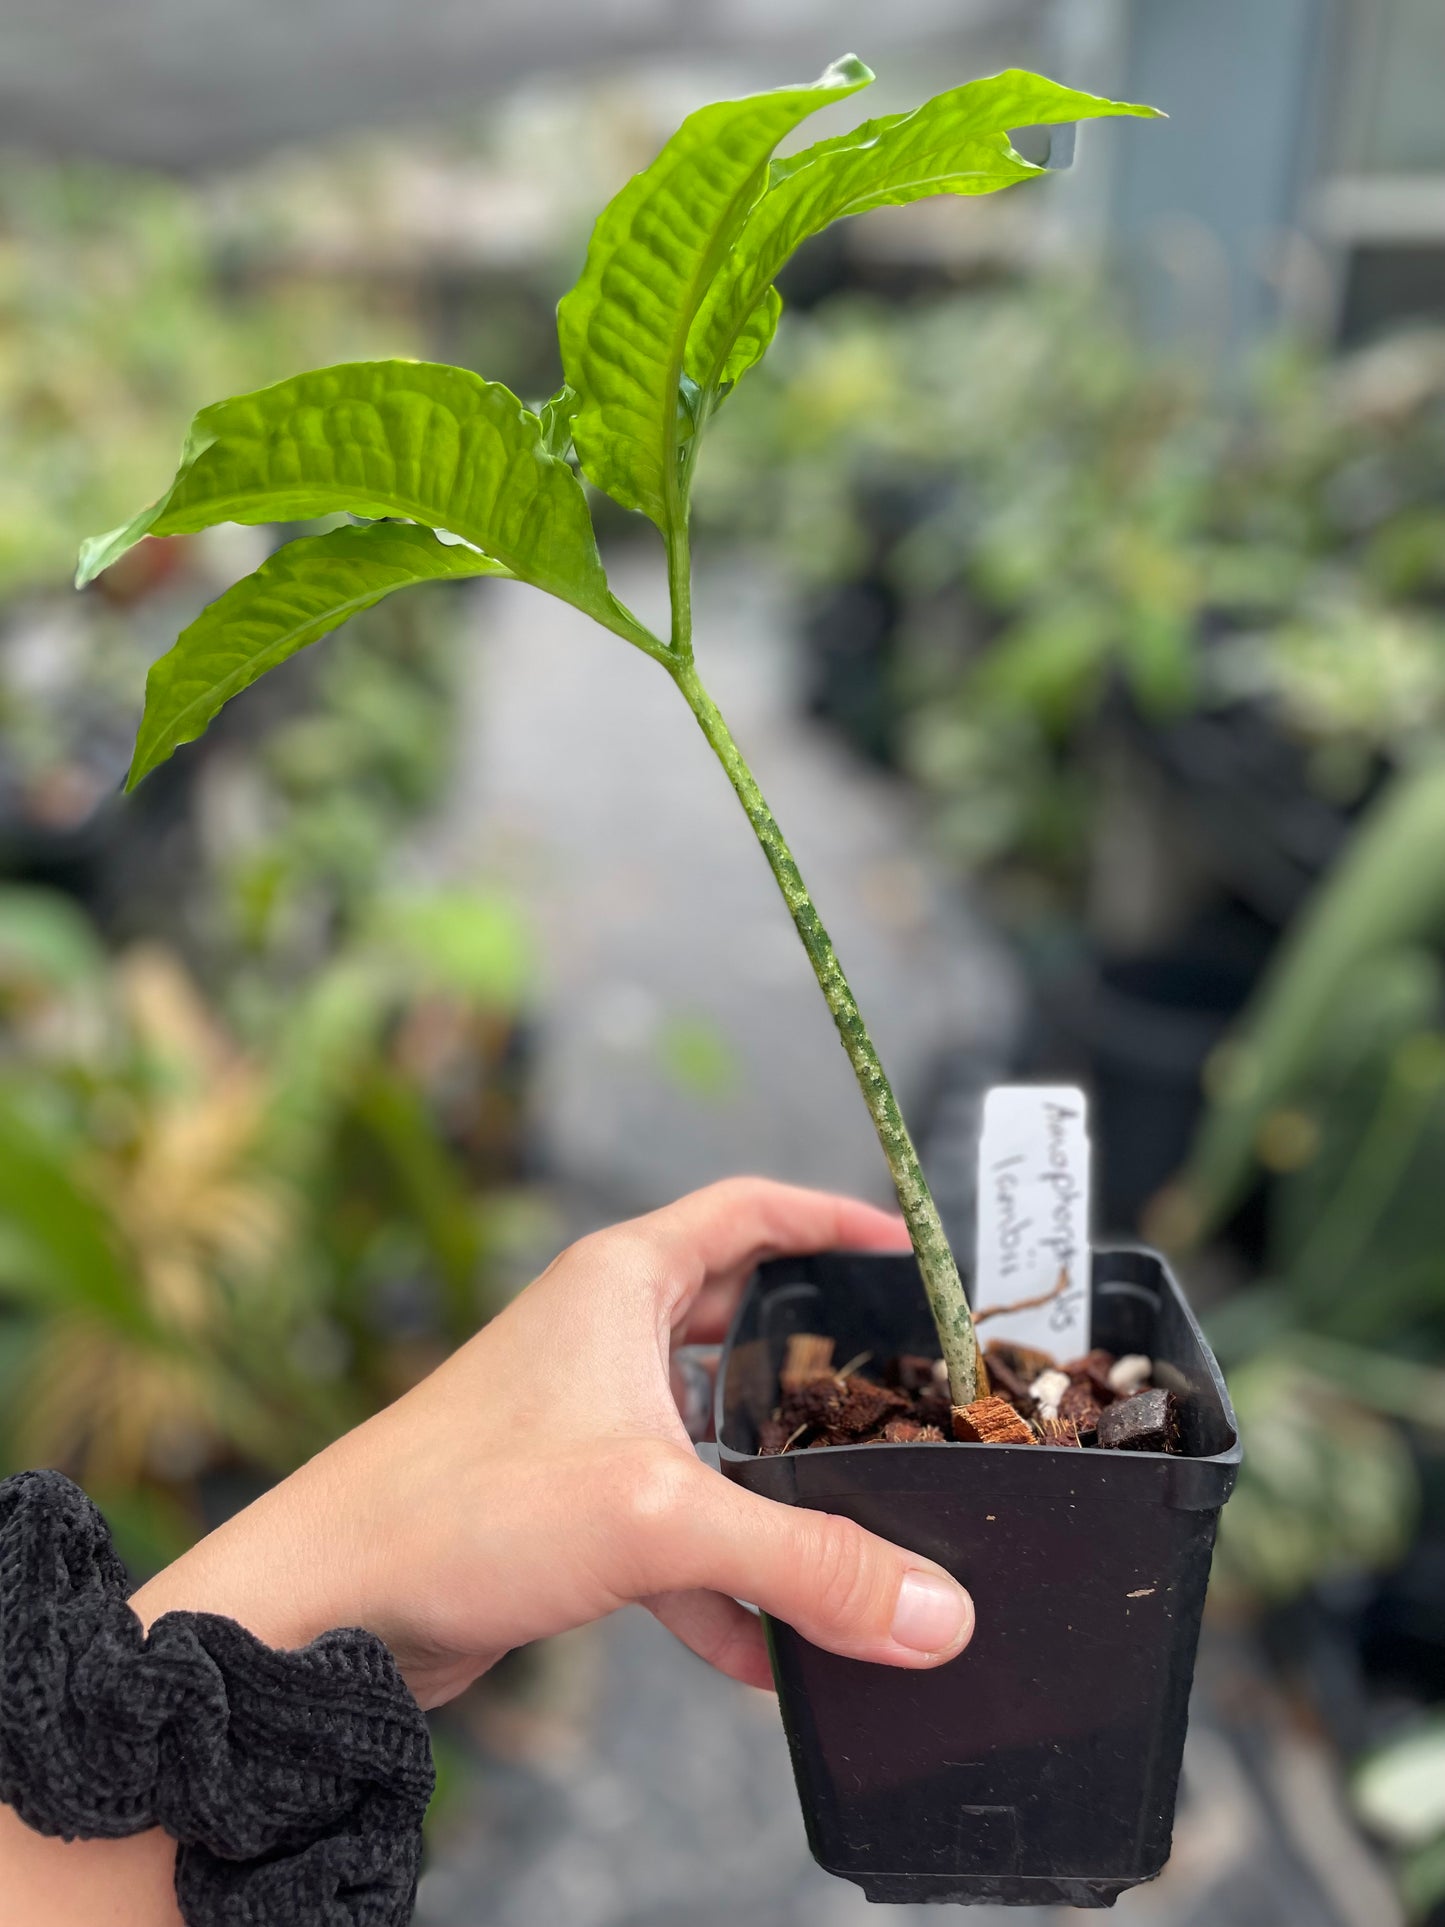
(1040, 1767)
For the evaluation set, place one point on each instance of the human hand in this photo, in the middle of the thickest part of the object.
(542, 1477)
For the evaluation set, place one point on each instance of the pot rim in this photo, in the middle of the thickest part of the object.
(1231, 1455)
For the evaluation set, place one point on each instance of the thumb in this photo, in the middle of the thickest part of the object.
(840, 1587)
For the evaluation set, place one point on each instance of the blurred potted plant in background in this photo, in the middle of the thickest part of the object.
(1330, 1095)
(214, 1257)
(117, 309)
(1146, 647)
(115, 313)
(1102, 517)
(1327, 1102)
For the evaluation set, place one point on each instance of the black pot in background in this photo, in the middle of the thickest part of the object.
(1040, 1767)
(1245, 785)
(849, 631)
(847, 638)
(1369, 1647)
(1137, 1031)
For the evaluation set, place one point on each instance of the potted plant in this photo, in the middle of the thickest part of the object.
(1027, 1771)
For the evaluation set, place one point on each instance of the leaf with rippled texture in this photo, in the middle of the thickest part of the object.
(957, 143)
(300, 594)
(555, 417)
(653, 254)
(753, 340)
(410, 439)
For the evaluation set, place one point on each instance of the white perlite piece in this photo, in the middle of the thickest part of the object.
(1128, 1373)
(1047, 1389)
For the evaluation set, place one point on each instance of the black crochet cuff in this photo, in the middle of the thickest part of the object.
(295, 1782)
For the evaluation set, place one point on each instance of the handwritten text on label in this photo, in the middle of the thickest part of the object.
(1033, 1215)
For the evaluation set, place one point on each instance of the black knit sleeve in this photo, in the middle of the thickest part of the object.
(294, 1782)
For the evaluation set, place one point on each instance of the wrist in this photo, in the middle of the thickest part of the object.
(261, 1568)
(185, 1587)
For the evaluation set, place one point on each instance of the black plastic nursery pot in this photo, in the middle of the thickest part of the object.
(1039, 1767)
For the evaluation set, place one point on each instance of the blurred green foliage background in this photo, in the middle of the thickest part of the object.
(261, 1108)
(1158, 646)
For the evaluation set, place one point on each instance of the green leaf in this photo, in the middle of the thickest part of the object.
(1400, 1787)
(430, 1187)
(755, 337)
(302, 593)
(556, 419)
(46, 941)
(150, 1528)
(1422, 1880)
(410, 439)
(68, 1245)
(1386, 891)
(698, 1057)
(956, 143)
(653, 254)
(475, 945)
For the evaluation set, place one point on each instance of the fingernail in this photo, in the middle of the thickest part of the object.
(932, 1615)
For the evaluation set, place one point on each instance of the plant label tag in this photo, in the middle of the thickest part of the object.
(1033, 1217)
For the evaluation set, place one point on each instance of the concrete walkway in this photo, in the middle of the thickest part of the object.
(684, 1036)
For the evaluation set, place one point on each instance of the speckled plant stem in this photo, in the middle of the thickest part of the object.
(935, 1259)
